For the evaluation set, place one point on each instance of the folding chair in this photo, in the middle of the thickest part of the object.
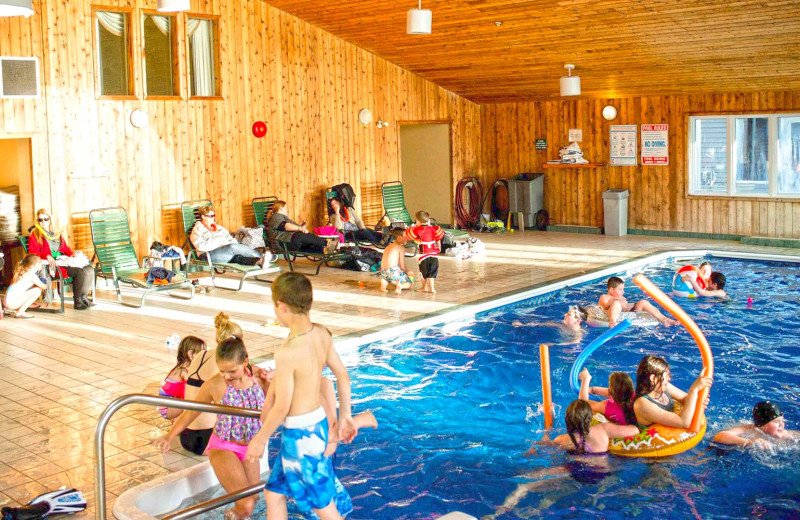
(190, 214)
(117, 260)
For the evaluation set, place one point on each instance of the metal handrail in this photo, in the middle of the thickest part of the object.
(214, 503)
(169, 402)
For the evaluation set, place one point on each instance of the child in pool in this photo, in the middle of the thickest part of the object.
(302, 471)
(174, 384)
(614, 303)
(768, 428)
(715, 287)
(582, 437)
(618, 406)
(25, 288)
(234, 385)
(655, 395)
(393, 264)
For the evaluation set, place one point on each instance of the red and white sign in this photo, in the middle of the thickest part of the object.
(655, 145)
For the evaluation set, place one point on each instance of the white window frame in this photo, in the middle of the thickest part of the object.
(772, 164)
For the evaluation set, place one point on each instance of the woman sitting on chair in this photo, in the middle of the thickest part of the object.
(283, 229)
(347, 222)
(47, 243)
(210, 238)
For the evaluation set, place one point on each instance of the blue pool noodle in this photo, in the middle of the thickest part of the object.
(594, 345)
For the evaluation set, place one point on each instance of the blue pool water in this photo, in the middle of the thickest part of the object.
(459, 405)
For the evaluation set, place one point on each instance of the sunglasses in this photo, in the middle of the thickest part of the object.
(44, 220)
(210, 215)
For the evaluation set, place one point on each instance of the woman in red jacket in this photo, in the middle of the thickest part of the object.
(48, 244)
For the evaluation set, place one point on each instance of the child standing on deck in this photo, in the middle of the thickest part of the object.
(393, 264)
(430, 240)
(302, 471)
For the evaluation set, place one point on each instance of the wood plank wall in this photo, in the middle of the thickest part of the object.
(307, 85)
(659, 199)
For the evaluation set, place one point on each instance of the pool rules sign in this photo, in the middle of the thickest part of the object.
(655, 145)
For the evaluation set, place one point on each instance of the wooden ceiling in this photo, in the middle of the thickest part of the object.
(620, 48)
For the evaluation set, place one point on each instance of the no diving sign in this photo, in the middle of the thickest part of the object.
(655, 145)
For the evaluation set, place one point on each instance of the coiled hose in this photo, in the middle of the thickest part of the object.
(467, 218)
(497, 212)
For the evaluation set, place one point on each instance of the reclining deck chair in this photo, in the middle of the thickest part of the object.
(116, 257)
(262, 206)
(190, 215)
(339, 192)
(62, 283)
(394, 204)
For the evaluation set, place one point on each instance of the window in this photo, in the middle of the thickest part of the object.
(745, 155)
(113, 53)
(160, 56)
(203, 81)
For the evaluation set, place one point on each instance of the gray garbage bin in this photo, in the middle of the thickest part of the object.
(615, 212)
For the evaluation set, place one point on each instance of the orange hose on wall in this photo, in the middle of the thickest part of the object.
(702, 343)
(547, 394)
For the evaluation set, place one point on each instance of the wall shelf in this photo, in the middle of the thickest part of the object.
(590, 166)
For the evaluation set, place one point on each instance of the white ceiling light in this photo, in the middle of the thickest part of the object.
(16, 8)
(419, 20)
(171, 6)
(570, 85)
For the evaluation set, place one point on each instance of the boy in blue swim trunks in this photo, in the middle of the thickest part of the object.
(393, 264)
(302, 471)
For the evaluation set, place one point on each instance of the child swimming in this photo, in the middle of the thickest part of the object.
(768, 427)
(584, 438)
(618, 406)
(614, 303)
(234, 385)
(656, 396)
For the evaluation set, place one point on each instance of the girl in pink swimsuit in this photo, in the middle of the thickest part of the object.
(174, 384)
(233, 386)
(618, 405)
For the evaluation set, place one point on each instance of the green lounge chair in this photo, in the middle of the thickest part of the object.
(261, 206)
(394, 204)
(62, 283)
(117, 260)
(190, 215)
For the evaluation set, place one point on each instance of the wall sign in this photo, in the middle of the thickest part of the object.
(541, 144)
(655, 144)
(623, 145)
(575, 135)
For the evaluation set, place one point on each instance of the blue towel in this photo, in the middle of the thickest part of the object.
(159, 273)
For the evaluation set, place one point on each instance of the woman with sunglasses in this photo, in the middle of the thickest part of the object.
(214, 240)
(47, 242)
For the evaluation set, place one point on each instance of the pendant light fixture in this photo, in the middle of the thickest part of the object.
(16, 8)
(419, 20)
(570, 85)
(172, 6)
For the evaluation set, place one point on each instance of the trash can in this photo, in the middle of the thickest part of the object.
(615, 212)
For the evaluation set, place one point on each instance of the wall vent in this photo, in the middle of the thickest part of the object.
(19, 77)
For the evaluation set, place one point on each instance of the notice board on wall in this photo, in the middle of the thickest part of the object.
(655, 145)
(623, 145)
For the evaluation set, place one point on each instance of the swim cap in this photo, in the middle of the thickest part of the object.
(765, 412)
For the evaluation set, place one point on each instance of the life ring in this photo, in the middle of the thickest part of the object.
(597, 317)
(657, 440)
(685, 289)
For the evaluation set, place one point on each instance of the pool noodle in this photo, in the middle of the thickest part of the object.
(594, 345)
(702, 343)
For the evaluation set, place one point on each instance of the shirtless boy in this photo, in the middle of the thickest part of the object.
(714, 288)
(301, 470)
(393, 264)
(614, 303)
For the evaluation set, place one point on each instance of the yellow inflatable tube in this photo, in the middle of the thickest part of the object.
(657, 440)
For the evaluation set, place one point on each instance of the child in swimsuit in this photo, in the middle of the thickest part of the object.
(615, 303)
(175, 383)
(430, 241)
(656, 396)
(618, 406)
(233, 386)
(393, 264)
(768, 428)
(302, 471)
(582, 437)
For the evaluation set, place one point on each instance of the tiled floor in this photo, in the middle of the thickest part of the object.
(60, 371)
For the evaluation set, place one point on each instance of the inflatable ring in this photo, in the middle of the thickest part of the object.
(657, 440)
(685, 289)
